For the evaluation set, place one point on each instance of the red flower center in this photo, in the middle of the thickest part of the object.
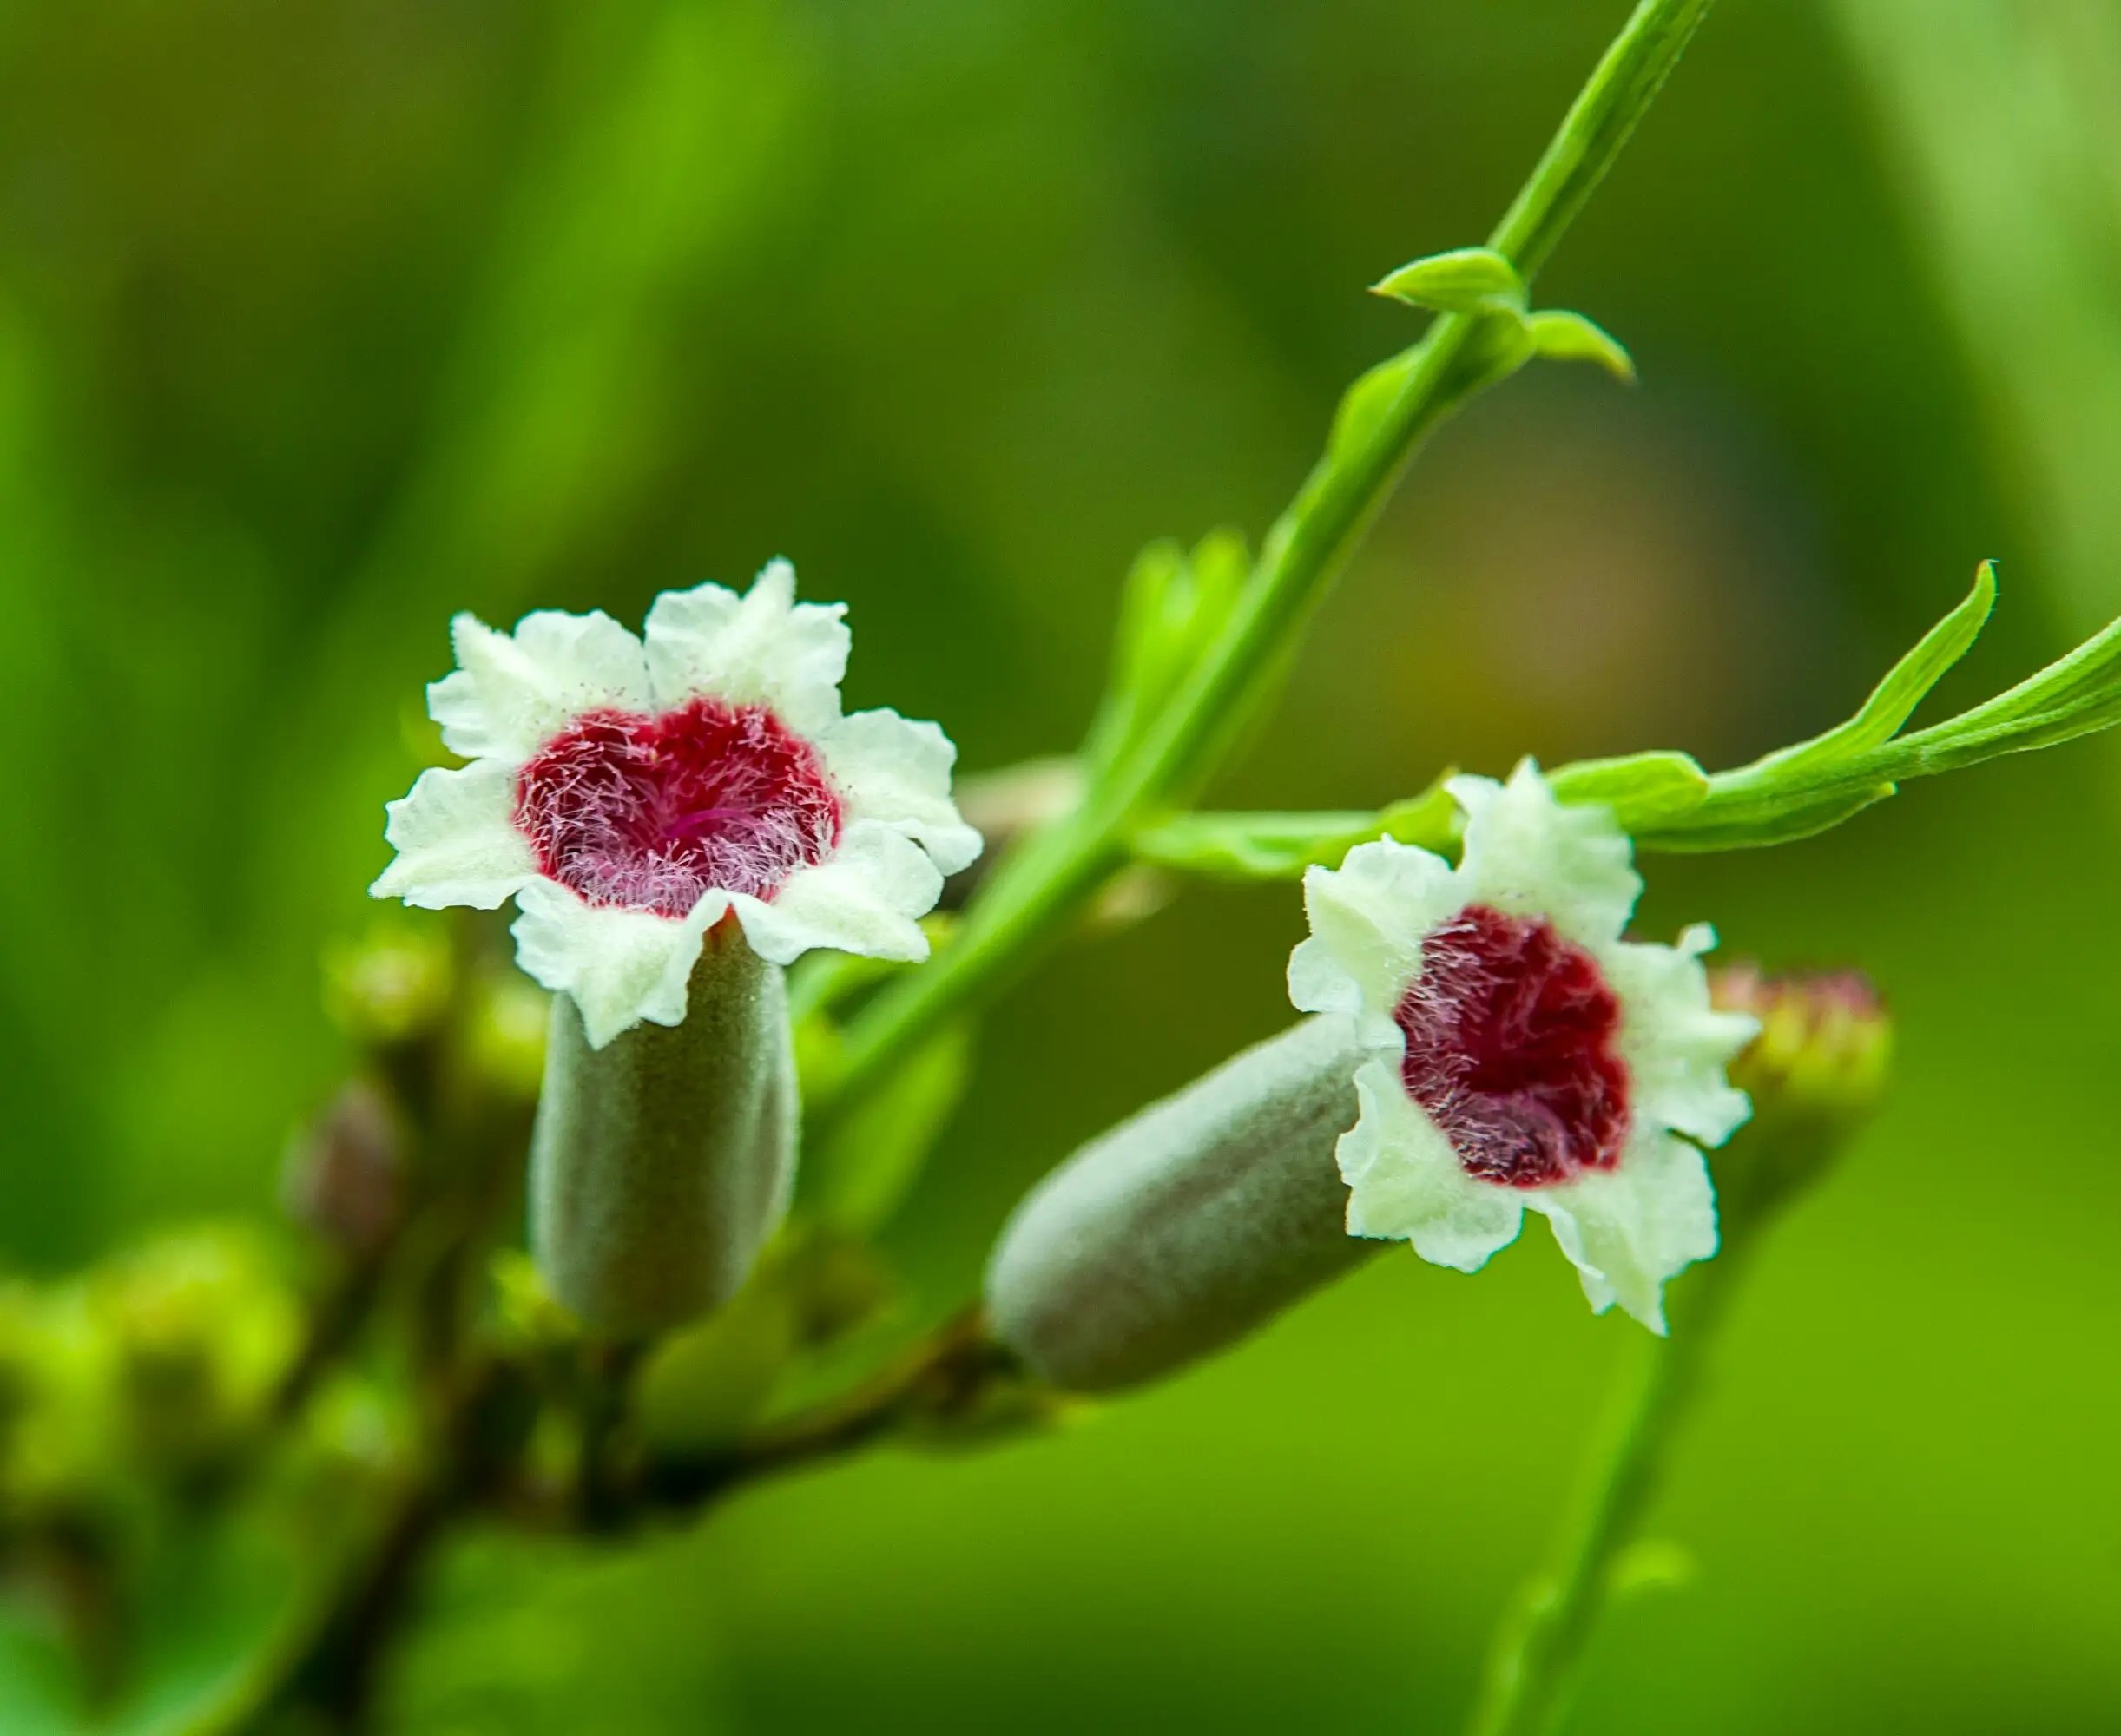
(652, 811)
(1510, 1048)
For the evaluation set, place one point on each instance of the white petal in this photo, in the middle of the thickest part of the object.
(621, 966)
(763, 647)
(1368, 920)
(1630, 1229)
(1532, 856)
(1405, 1183)
(513, 692)
(862, 898)
(892, 769)
(1676, 1044)
(456, 843)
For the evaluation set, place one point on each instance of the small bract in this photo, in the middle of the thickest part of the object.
(1521, 1055)
(629, 795)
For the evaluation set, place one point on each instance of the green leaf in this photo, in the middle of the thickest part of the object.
(1643, 790)
(1280, 846)
(2073, 696)
(1893, 701)
(1800, 791)
(1651, 1564)
(1364, 404)
(1712, 827)
(1173, 605)
(1248, 847)
(1564, 336)
(1464, 280)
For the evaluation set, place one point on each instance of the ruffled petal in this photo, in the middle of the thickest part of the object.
(621, 967)
(456, 838)
(1676, 1044)
(864, 897)
(762, 648)
(1630, 1229)
(1368, 919)
(1405, 1184)
(892, 769)
(512, 692)
(1532, 856)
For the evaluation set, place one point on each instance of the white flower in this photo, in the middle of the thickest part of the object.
(629, 795)
(1521, 1053)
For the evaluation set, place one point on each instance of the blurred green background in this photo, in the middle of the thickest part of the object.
(318, 322)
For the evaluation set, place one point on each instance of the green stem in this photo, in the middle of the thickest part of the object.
(1035, 894)
(1532, 1664)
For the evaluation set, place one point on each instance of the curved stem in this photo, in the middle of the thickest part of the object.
(1038, 891)
(1532, 1664)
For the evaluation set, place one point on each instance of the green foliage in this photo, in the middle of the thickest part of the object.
(1668, 802)
(1563, 337)
(1174, 605)
(1464, 280)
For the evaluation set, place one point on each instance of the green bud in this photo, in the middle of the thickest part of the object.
(391, 986)
(1186, 1227)
(1464, 280)
(203, 1328)
(1815, 1074)
(56, 1427)
(1564, 337)
(661, 1163)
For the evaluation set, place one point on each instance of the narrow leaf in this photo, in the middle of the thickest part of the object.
(2072, 696)
(1364, 403)
(1564, 337)
(1250, 846)
(1893, 701)
(1280, 846)
(1643, 790)
(1710, 827)
(1464, 280)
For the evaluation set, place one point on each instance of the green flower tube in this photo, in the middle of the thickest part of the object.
(663, 1162)
(1184, 1228)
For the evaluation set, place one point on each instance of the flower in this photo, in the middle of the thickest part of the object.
(1521, 1055)
(629, 795)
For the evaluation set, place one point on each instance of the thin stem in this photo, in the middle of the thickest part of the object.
(945, 1374)
(1533, 1663)
(1036, 893)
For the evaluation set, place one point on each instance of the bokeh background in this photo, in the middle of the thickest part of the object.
(318, 322)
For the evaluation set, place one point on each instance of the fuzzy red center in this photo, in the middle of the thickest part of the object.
(1510, 1034)
(652, 811)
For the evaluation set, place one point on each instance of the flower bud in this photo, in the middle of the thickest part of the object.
(662, 1161)
(344, 1177)
(1185, 1227)
(389, 989)
(1815, 1073)
(203, 1327)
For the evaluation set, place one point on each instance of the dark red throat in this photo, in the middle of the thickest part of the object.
(1511, 1048)
(652, 811)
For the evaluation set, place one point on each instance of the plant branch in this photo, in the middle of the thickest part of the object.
(1533, 1664)
(942, 1378)
(1035, 894)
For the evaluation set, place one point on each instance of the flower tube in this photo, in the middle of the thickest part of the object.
(1486, 1044)
(677, 817)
